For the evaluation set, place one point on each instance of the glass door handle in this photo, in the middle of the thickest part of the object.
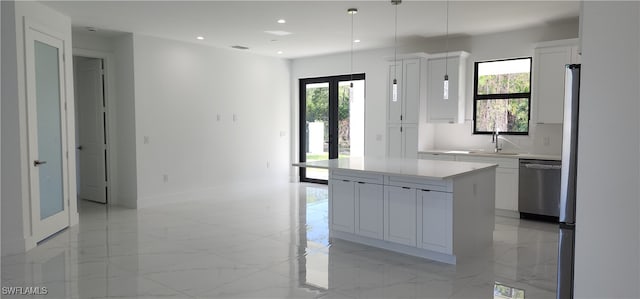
(38, 162)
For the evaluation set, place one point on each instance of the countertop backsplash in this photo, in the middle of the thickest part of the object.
(543, 139)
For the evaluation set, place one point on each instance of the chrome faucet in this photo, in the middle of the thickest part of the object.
(494, 139)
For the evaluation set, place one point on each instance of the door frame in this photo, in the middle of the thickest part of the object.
(333, 117)
(41, 229)
(107, 61)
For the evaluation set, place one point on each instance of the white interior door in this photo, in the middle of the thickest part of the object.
(47, 134)
(90, 123)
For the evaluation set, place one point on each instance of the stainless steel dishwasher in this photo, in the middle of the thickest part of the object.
(539, 189)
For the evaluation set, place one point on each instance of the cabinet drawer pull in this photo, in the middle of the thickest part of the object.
(346, 181)
(360, 182)
(406, 188)
(426, 190)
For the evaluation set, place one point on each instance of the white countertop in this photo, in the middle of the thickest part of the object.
(406, 167)
(494, 155)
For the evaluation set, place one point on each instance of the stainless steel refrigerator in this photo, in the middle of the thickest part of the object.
(568, 182)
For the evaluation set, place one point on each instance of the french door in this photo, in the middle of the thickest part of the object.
(48, 173)
(331, 121)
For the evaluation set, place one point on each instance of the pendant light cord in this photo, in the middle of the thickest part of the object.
(353, 12)
(446, 47)
(395, 40)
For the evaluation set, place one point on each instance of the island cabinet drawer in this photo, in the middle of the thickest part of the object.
(357, 176)
(418, 183)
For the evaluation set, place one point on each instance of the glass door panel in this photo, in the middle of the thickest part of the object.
(49, 137)
(350, 119)
(317, 127)
(331, 121)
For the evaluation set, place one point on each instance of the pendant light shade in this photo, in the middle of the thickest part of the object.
(352, 12)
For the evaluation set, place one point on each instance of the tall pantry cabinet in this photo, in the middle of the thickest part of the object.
(403, 108)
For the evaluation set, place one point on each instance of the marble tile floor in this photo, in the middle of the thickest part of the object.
(271, 243)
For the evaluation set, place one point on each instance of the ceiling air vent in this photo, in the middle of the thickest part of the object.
(240, 47)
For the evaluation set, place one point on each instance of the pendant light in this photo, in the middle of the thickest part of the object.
(445, 86)
(352, 12)
(395, 52)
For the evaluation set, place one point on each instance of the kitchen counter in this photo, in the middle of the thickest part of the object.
(428, 169)
(439, 210)
(493, 155)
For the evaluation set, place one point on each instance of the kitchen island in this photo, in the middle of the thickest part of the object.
(439, 210)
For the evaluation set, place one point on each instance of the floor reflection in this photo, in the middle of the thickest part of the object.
(314, 237)
(268, 242)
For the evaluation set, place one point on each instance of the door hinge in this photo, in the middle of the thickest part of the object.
(400, 116)
(67, 154)
(400, 129)
(65, 106)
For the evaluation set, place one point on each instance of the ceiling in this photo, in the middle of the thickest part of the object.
(316, 27)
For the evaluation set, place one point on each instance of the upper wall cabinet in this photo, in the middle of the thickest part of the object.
(404, 107)
(439, 108)
(549, 63)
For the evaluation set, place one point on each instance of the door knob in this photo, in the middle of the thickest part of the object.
(79, 147)
(38, 162)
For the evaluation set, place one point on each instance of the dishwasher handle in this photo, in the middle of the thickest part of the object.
(543, 166)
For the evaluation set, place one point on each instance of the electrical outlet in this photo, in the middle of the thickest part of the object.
(218, 117)
(146, 139)
(546, 140)
(235, 117)
(283, 133)
(268, 164)
(165, 178)
(378, 137)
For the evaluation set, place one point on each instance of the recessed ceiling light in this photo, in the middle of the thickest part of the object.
(278, 32)
(200, 37)
(356, 40)
(282, 21)
(280, 52)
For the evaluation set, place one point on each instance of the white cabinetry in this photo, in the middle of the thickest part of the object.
(356, 202)
(451, 110)
(549, 63)
(420, 216)
(435, 222)
(403, 111)
(369, 204)
(342, 196)
(406, 107)
(506, 180)
(400, 215)
(402, 141)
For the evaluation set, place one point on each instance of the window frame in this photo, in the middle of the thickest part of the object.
(501, 96)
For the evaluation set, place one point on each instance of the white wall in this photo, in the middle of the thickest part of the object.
(607, 220)
(373, 63)
(12, 226)
(17, 233)
(93, 41)
(124, 129)
(180, 89)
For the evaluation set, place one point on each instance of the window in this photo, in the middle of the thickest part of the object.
(502, 96)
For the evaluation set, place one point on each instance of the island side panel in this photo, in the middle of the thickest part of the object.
(473, 212)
